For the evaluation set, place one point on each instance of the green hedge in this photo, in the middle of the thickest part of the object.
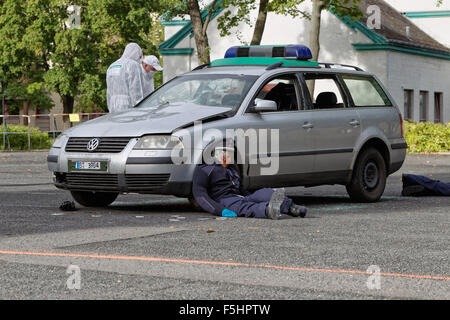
(427, 137)
(39, 140)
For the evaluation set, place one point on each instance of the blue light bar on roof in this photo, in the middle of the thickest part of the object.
(298, 51)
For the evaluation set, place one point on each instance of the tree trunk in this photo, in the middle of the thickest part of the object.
(200, 36)
(68, 102)
(25, 111)
(260, 23)
(314, 33)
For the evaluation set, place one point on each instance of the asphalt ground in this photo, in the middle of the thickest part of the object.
(158, 247)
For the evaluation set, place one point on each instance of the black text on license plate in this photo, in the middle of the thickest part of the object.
(87, 165)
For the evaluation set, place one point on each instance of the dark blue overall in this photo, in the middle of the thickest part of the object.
(216, 188)
(434, 187)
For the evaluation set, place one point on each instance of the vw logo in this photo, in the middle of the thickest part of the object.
(93, 144)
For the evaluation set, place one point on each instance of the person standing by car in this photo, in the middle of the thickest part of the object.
(218, 190)
(124, 80)
(150, 65)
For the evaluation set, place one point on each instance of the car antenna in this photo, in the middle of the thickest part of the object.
(274, 66)
(202, 66)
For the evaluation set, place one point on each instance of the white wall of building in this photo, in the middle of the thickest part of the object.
(419, 74)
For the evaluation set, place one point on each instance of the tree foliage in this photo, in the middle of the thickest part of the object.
(41, 52)
(21, 78)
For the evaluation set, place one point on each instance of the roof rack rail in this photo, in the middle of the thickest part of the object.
(328, 65)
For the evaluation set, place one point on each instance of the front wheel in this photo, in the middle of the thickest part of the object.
(369, 177)
(94, 199)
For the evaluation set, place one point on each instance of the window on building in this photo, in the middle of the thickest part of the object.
(366, 92)
(423, 106)
(438, 116)
(408, 104)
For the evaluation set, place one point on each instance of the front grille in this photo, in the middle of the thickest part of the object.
(112, 182)
(106, 145)
(146, 182)
(93, 181)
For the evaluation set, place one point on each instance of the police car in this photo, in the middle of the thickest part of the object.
(336, 124)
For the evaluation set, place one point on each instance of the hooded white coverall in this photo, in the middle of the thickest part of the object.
(147, 78)
(124, 80)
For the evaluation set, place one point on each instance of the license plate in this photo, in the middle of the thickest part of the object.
(88, 165)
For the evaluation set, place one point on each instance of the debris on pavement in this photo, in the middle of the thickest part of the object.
(67, 206)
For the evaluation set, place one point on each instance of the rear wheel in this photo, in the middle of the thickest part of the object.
(94, 199)
(369, 177)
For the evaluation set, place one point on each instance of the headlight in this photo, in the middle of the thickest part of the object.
(60, 141)
(159, 142)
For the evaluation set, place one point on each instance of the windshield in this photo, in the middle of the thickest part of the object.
(218, 90)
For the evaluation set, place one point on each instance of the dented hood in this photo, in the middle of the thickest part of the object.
(141, 121)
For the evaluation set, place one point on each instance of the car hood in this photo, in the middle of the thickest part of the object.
(139, 121)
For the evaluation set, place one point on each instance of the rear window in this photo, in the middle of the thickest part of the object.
(366, 92)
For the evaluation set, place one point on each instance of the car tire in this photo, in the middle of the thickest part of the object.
(369, 177)
(94, 199)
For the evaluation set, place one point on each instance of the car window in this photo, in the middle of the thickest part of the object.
(326, 91)
(208, 90)
(366, 92)
(283, 90)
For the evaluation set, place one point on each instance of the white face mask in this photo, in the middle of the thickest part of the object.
(151, 74)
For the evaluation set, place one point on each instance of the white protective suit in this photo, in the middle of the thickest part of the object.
(149, 85)
(147, 79)
(124, 80)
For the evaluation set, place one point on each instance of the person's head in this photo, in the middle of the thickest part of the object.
(133, 51)
(151, 64)
(224, 156)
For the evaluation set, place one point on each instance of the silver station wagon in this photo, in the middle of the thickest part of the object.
(327, 124)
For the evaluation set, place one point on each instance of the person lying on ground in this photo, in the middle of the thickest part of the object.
(416, 185)
(218, 190)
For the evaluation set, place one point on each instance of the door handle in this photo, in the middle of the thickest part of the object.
(354, 123)
(307, 125)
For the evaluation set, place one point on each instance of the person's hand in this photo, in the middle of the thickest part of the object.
(228, 213)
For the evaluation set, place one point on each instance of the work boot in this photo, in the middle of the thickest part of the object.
(415, 191)
(273, 209)
(297, 211)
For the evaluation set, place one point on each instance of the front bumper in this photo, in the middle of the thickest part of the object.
(122, 183)
(130, 171)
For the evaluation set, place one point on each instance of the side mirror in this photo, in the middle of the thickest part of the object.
(265, 105)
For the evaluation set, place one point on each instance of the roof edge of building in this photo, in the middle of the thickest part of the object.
(187, 28)
(404, 48)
